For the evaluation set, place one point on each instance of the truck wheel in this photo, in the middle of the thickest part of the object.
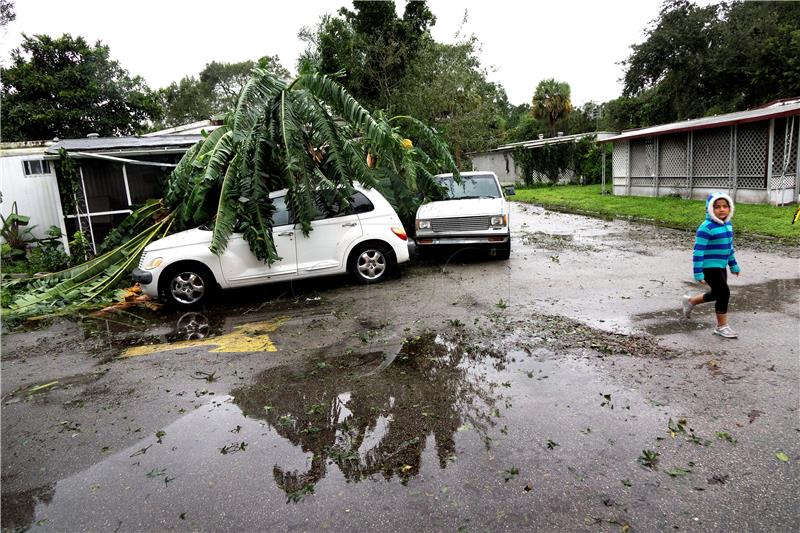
(503, 251)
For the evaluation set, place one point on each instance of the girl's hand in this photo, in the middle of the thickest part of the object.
(736, 274)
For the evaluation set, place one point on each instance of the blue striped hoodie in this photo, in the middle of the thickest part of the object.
(713, 244)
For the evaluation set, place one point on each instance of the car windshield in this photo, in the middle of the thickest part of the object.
(475, 186)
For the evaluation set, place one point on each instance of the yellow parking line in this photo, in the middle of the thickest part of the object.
(246, 338)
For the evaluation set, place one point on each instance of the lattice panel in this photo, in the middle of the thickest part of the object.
(719, 183)
(752, 147)
(642, 182)
(674, 182)
(711, 153)
(752, 182)
(642, 157)
(787, 182)
(672, 156)
(780, 142)
(619, 160)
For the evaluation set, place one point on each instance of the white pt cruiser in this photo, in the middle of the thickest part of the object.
(475, 214)
(365, 239)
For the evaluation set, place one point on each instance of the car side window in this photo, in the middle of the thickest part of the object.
(358, 204)
(281, 216)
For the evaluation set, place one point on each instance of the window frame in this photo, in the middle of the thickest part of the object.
(27, 167)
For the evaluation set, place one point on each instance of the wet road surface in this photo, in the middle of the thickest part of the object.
(560, 390)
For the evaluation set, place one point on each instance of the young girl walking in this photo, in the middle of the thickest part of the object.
(713, 252)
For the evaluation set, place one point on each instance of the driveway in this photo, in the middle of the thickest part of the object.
(559, 390)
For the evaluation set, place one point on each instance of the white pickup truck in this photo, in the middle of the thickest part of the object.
(475, 214)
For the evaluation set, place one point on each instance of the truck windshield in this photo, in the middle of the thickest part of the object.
(477, 186)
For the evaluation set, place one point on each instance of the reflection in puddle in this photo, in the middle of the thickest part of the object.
(374, 424)
(774, 296)
(245, 338)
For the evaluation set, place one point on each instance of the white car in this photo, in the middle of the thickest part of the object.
(475, 214)
(367, 239)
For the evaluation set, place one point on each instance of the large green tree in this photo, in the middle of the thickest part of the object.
(64, 87)
(371, 45)
(446, 87)
(700, 60)
(551, 102)
(214, 92)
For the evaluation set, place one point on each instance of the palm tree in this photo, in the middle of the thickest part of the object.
(309, 136)
(551, 102)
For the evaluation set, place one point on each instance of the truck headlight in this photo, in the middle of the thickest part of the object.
(153, 263)
(423, 224)
(499, 220)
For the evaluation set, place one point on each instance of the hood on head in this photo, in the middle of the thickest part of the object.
(713, 197)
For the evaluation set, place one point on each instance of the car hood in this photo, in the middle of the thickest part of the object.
(461, 208)
(183, 238)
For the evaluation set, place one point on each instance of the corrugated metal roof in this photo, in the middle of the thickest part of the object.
(774, 110)
(538, 143)
(125, 144)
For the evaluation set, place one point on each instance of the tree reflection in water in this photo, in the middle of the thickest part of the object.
(376, 423)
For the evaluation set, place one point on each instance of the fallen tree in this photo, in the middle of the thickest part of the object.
(308, 136)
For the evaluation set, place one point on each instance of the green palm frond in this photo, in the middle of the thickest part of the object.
(258, 94)
(331, 92)
(227, 208)
(199, 206)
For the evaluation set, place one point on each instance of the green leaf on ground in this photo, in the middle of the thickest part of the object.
(782, 456)
(676, 471)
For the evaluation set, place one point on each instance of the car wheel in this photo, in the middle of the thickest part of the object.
(503, 252)
(188, 285)
(371, 263)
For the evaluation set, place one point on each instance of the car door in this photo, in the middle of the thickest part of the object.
(334, 229)
(241, 268)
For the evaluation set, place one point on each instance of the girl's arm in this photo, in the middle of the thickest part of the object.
(700, 243)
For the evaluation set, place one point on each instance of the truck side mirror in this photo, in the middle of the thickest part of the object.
(510, 191)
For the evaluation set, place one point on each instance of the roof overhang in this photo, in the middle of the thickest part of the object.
(124, 146)
(783, 108)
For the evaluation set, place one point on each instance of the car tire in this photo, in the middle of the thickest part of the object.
(187, 285)
(503, 252)
(371, 263)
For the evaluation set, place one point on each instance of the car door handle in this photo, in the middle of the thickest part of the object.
(286, 234)
(350, 224)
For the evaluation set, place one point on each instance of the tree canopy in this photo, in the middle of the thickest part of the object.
(214, 92)
(64, 87)
(701, 60)
(395, 65)
(551, 102)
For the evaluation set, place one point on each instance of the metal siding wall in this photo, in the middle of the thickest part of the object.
(36, 197)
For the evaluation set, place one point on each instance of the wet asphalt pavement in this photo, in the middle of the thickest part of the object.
(558, 391)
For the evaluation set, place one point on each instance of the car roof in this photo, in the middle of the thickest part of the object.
(356, 185)
(467, 174)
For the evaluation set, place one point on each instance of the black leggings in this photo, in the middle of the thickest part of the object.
(717, 279)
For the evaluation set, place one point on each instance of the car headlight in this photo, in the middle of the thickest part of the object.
(423, 224)
(153, 263)
(499, 220)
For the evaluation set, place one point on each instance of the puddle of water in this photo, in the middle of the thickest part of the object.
(303, 443)
(774, 296)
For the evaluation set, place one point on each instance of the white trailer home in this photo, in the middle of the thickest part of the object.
(750, 154)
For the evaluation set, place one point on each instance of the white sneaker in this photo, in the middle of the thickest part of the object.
(687, 306)
(725, 331)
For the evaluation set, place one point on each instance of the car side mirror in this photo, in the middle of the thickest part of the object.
(510, 191)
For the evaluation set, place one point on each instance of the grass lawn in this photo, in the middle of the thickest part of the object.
(748, 219)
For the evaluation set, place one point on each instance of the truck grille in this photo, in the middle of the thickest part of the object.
(442, 225)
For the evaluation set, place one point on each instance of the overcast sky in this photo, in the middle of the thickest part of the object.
(577, 41)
